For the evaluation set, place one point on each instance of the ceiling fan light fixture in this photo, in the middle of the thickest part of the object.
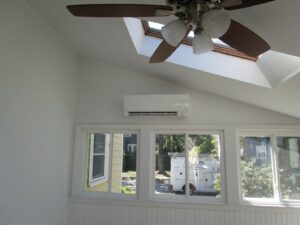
(202, 43)
(216, 23)
(174, 32)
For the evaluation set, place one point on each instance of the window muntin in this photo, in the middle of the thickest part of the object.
(289, 167)
(198, 154)
(109, 166)
(257, 179)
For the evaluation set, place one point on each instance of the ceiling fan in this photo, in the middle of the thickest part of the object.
(207, 18)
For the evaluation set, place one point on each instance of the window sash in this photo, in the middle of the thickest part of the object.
(275, 165)
(93, 179)
(282, 199)
(187, 197)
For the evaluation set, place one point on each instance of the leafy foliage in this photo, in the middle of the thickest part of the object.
(127, 190)
(205, 144)
(289, 189)
(256, 180)
(218, 184)
(171, 143)
(166, 144)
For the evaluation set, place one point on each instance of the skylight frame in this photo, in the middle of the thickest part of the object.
(188, 41)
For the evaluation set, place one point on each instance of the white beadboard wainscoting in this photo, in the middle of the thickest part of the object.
(85, 212)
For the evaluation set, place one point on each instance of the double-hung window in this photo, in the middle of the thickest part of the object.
(98, 158)
(188, 166)
(269, 166)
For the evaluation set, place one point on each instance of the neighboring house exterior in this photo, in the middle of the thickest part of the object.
(102, 185)
(130, 149)
(257, 149)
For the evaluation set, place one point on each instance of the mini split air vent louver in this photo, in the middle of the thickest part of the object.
(156, 105)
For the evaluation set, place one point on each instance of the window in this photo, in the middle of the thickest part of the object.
(289, 167)
(256, 167)
(131, 147)
(187, 165)
(110, 167)
(98, 148)
(270, 167)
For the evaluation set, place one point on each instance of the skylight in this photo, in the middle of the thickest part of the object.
(269, 70)
(153, 29)
(158, 26)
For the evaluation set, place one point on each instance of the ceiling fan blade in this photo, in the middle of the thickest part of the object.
(228, 3)
(165, 50)
(118, 10)
(244, 40)
(243, 4)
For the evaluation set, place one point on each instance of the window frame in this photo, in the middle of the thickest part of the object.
(231, 193)
(273, 134)
(186, 198)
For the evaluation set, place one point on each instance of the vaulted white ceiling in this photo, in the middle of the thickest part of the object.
(107, 40)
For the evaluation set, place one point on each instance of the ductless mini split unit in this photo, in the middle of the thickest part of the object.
(156, 105)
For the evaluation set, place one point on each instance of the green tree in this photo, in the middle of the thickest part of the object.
(166, 144)
(204, 144)
(256, 180)
(217, 184)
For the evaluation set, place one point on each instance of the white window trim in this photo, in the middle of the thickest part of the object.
(272, 133)
(95, 181)
(187, 197)
(144, 131)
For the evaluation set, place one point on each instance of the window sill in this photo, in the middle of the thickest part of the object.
(270, 203)
(97, 181)
(197, 200)
(132, 201)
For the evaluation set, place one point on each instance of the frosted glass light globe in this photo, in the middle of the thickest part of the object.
(202, 43)
(216, 22)
(174, 32)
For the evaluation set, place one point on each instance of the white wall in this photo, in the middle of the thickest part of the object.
(102, 88)
(100, 101)
(38, 84)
